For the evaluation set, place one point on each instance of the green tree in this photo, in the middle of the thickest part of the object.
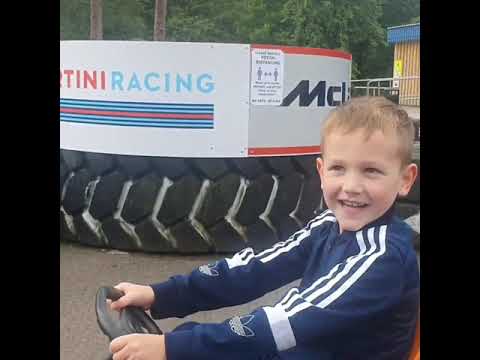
(74, 19)
(122, 20)
(358, 27)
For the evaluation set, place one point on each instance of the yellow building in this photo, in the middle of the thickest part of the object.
(406, 68)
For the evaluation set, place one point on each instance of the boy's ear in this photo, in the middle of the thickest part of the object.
(409, 174)
(320, 169)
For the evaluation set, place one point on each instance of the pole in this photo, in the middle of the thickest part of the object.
(159, 32)
(96, 19)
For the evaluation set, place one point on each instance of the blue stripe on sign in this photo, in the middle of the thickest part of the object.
(136, 124)
(165, 110)
(133, 119)
(134, 104)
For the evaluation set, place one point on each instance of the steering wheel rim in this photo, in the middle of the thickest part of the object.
(131, 320)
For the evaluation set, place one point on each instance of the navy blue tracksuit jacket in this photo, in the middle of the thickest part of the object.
(358, 297)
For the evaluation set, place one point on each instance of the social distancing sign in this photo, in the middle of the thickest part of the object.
(266, 79)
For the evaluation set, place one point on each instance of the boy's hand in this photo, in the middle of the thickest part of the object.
(138, 347)
(135, 295)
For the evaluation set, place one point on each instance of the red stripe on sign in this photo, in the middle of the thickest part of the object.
(137, 114)
(306, 51)
(294, 150)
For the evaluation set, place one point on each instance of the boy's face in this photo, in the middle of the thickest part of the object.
(361, 178)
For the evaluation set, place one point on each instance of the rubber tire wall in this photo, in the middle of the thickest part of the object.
(179, 205)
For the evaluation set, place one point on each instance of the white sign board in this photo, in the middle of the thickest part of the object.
(197, 99)
(154, 98)
(266, 78)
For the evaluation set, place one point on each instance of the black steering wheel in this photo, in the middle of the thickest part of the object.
(131, 319)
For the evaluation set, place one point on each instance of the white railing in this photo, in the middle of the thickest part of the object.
(402, 90)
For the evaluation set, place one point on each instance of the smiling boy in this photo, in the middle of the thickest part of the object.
(359, 293)
(367, 149)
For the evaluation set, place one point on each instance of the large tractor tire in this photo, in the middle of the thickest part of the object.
(155, 204)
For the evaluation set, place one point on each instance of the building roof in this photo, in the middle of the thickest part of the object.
(403, 33)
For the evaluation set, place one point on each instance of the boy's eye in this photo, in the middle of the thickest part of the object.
(372, 171)
(335, 168)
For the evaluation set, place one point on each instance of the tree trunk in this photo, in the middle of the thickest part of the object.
(96, 19)
(159, 32)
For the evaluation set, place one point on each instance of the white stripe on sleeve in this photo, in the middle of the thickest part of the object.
(345, 270)
(296, 242)
(300, 233)
(337, 293)
(281, 330)
(309, 299)
(278, 316)
(361, 246)
(240, 258)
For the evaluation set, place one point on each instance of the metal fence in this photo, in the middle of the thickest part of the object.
(402, 90)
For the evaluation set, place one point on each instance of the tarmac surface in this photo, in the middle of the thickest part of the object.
(83, 270)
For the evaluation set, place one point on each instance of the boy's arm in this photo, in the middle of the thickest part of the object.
(239, 279)
(352, 293)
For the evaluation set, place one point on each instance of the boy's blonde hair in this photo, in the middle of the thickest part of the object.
(372, 113)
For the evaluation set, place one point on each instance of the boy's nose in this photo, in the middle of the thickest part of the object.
(352, 184)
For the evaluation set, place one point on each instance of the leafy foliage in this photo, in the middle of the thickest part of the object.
(358, 26)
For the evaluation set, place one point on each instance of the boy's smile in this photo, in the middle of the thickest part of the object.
(362, 178)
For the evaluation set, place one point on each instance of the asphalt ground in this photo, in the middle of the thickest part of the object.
(83, 270)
